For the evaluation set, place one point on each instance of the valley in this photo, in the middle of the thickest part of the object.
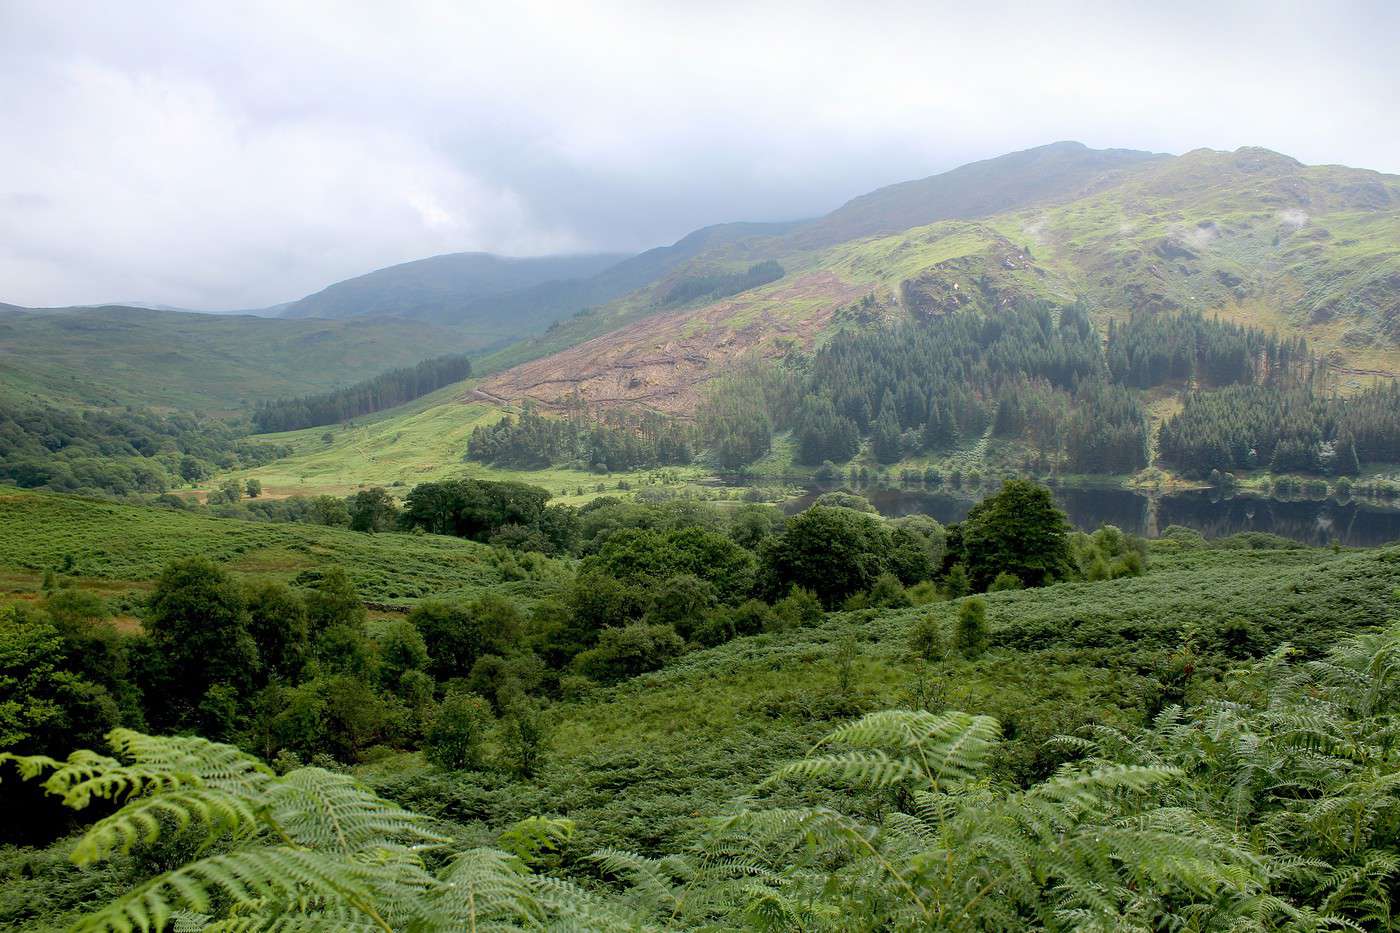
(981, 554)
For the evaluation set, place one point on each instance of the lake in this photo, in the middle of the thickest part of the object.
(1214, 515)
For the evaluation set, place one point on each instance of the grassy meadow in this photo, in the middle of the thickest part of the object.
(118, 550)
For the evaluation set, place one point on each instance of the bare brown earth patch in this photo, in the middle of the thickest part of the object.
(661, 361)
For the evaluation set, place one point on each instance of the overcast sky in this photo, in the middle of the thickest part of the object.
(234, 155)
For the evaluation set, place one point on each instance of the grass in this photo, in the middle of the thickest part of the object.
(636, 764)
(423, 441)
(120, 549)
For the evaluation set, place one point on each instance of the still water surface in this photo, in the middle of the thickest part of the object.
(1351, 523)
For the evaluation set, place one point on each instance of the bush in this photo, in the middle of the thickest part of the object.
(525, 731)
(629, 650)
(926, 639)
(1005, 581)
(972, 632)
(682, 602)
(887, 593)
(923, 593)
(797, 609)
(458, 733)
(956, 584)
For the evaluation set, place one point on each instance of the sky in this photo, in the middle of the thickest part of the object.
(224, 155)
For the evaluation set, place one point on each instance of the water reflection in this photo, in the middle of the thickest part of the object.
(1350, 523)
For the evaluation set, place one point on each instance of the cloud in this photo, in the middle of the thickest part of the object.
(237, 155)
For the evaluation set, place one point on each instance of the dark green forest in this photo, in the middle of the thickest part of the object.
(119, 453)
(386, 390)
(610, 441)
(721, 284)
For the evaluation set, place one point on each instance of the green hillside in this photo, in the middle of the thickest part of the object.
(636, 764)
(423, 441)
(215, 363)
(1210, 231)
(1251, 235)
(113, 549)
(1068, 673)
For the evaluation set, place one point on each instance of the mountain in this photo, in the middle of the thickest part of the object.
(1058, 171)
(1251, 235)
(455, 288)
(502, 298)
(135, 356)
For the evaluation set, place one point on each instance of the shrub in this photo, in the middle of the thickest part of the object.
(887, 593)
(923, 593)
(458, 733)
(972, 632)
(525, 731)
(798, 608)
(956, 584)
(1004, 581)
(926, 638)
(629, 650)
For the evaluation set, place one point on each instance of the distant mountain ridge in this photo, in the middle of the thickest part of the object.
(1061, 170)
(1252, 234)
(442, 287)
(116, 356)
(507, 297)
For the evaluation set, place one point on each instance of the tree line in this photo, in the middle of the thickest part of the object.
(1152, 349)
(718, 285)
(1288, 429)
(1040, 377)
(363, 398)
(120, 453)
(1031, 373)
(609, 441)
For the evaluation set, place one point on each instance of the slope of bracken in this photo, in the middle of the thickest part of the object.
(661, 361)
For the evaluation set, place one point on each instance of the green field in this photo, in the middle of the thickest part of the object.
(423, 441)
(119, 549)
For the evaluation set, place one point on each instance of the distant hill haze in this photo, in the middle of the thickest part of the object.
(1059, 171)
(443, 287)
(504, 297)
(117, 356)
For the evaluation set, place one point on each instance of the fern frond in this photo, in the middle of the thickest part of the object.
(649, 878)
(246, 877)
(860, 768)
(532, 837)
(85, 775)
(487, 886)
(219, 813)
(214, 764)
(333, 812)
